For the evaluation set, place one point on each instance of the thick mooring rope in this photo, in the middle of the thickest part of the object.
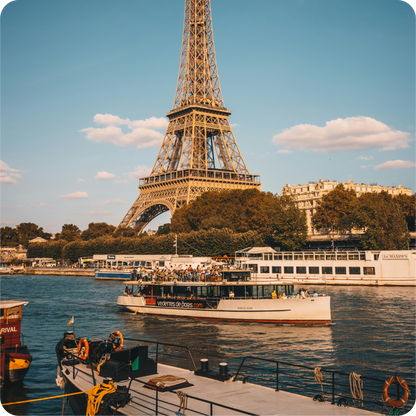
(96, 395)
(356, 386)
(183, 401)
(319, 378)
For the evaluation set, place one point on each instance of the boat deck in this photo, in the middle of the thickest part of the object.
(247, 398)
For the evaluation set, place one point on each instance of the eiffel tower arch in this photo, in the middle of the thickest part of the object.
(199, 152)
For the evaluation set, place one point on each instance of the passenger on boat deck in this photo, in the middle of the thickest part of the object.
(274, 294)
(284, 296)
(127, 291)
(192, 296)
(280, 296)
(315, 295)
(302, 293)
(231, 294)
(169, 295)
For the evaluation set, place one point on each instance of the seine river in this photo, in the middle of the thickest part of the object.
(373, 332)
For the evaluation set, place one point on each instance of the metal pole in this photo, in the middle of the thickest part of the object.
(277, 376)
(333, 388)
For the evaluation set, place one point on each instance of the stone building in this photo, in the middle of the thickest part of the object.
(308, 195)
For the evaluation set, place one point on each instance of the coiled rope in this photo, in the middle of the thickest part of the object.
(356, 386)
(319, 378)
(96, 395)
(183, 401)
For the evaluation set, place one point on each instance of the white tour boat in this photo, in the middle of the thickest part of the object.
(225, 295)
(389, 268)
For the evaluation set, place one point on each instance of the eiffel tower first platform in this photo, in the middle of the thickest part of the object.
(199, 152)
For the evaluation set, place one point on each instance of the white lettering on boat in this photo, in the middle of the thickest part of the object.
(9, 329)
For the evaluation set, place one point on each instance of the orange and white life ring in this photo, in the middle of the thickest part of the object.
(83, 348)
(117, 334)
(405, 397)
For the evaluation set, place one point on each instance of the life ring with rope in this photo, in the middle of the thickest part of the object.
(405, 397)
(83, 348)
(117, 334)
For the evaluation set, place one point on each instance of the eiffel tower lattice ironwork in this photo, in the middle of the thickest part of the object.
(199, 152)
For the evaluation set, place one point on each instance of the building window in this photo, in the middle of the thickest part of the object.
(340, 270)
(355, 270)
(313, 270)
(301, 270)
(264, 269)
(326, 270)
(288, 269)
(276, 269)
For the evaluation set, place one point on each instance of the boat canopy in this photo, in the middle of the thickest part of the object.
(7, 304)
(250, 251)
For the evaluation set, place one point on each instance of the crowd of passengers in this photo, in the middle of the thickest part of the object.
(199, 274)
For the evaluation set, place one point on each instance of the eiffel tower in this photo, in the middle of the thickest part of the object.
(199, 152)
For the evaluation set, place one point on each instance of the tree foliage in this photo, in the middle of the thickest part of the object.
(9, 237)
(333, 214)
(96, 230)
(70, 232)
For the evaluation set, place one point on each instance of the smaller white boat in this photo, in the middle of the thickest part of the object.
(226, 295)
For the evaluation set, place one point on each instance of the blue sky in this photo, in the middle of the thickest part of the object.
(317, 89)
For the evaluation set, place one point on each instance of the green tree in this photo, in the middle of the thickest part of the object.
(27, 231)
(96, 230)
(288, 225)
(408, 206)
(124, 232)
(382, 221)
(70, 232)
(334, 212)
(9, 237)
(163, 229)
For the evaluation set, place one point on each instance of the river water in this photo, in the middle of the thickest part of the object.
(373, 332)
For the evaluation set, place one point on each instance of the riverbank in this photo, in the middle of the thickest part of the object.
(56, 271)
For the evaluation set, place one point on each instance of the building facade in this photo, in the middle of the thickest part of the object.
(308, 196)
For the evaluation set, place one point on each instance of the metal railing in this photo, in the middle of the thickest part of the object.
(336, 388)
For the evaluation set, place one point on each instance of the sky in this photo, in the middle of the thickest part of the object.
(318, 89)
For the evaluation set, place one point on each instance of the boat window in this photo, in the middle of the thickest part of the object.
(319, 257)
(330, 256)
(298, 256)
(161, 263)
(342, 256)
(264, 269)
(278, 257)
(276, 269)
(355, 270)
(326, 270)
(308, 256)
(340, 270)
(253, 267)
(362, 256)
(288, 256)
(202, 292)
(268, 256)
(353, 256)
(289, 289)
(301, 270)
(313, 270)
(369, 270)
(288, 269)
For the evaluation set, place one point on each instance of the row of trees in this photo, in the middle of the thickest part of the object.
(383, 219)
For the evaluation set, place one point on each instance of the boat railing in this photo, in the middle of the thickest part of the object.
(162, 405)
(159, 403)
(334, 386)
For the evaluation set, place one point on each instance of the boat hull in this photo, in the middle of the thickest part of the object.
(112, 275)
(291, 311)
(16, 367)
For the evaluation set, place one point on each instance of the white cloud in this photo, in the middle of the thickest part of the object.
(395, 164)
(365, 158)
(141, 172)
(80, 180)
(5, 222)
(143, 132)
(75, 195)
(105, 175)
(116, 202)
(7, 174)
(284, 151)
(43, 204)
(122, 181)
(351, 133)
(363, 167)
